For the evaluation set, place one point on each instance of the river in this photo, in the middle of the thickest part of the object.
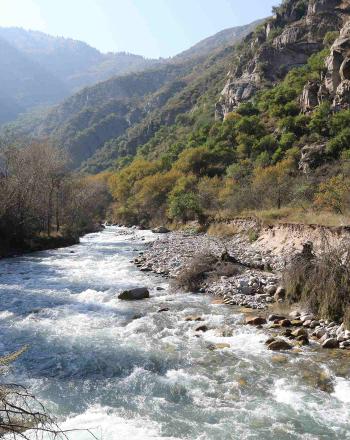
(95, 366)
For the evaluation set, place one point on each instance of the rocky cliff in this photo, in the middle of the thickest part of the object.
(287, 40)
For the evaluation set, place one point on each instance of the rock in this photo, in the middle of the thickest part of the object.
(136, 317)
(273, 325)
(319, 333)
(288, 333)
(194, 318)
(160, 230)
(146, 269)
(275, 317)
(330, 343)
(280, 293)
(134, 294)
(340, 329)
(307, 323)
(305, 318)
(255, 320)
(302, 339)
(279, 344)
(219, 346)
(295, 314)
(310, 98)
(202, 328)
(279, 359)
(296, 322)
(270, 290)
(285, 323)
(160, 288)
(300, 332)
(324, 337)
(164, 309)
(269, 341)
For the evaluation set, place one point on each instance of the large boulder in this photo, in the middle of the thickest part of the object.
(134, 294)
(255, 320)
(330, 343)
(279, 344)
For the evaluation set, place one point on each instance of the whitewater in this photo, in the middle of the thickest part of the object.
(126, 371)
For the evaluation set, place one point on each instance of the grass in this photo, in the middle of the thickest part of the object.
(222, 230)
(307, 216)
(321, 284)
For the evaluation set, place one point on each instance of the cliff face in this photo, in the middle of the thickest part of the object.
(285, 41)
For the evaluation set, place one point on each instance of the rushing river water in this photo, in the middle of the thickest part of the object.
(95, 366)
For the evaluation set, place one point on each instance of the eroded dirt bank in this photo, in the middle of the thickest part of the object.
(260, 253)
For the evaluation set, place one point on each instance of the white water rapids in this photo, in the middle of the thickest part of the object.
(96, 367)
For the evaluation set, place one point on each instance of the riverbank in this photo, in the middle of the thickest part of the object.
(246, 273)
(43, 243)
(143, 369)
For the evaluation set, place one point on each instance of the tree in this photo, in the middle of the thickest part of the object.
(332, 194)
(184, 207)
(272, 185)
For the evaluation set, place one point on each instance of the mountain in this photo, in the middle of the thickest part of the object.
(227, 37)
(24, 83)
(73, 62)
(119, 114)
(39, 70)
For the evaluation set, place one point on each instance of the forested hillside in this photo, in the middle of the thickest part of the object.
(114, 116)
(280, 142)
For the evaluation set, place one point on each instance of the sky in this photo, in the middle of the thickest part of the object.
(152, 28)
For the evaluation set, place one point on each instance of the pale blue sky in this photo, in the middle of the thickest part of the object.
(151, 28)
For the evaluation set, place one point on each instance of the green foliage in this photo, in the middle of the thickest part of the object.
(339, 143)
(184, 206)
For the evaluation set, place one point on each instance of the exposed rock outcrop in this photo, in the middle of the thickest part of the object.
(310, 96)
(312, 156)
(286, 41)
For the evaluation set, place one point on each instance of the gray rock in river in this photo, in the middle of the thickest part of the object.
(134, 294)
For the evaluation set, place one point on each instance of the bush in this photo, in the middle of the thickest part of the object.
(192, 276)
(184, 207)
(321, 284)
(202, 267)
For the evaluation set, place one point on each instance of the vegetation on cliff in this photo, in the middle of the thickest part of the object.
(202, 168)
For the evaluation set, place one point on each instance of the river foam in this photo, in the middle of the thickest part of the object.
(124, 370)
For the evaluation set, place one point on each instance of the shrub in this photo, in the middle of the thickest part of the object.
(192, 276)
(321, 284)
(202, 267)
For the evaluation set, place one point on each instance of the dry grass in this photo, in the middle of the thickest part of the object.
(222, 230)
(298, 215)
(322, 284)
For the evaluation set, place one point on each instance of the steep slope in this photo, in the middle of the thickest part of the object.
(279, 145)
(227, 37)
(284, 42)
(74, 62)
(124, 112)
(24, 83)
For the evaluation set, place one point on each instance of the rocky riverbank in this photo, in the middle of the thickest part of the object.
(255, 286)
